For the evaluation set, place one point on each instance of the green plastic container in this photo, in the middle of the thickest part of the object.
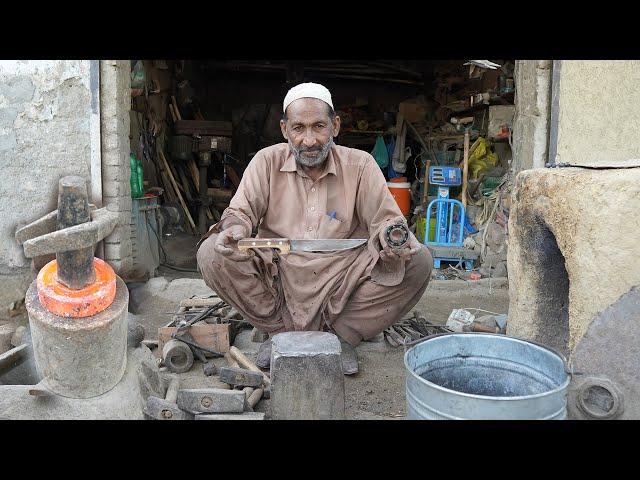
(420, 227)
(136, 179)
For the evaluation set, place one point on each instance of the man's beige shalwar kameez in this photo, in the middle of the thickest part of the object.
(353, 292)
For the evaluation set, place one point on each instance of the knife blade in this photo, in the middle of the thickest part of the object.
(286, 245)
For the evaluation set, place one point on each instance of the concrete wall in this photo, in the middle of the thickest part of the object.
(531, 121)
(598, 114)
(45, 109)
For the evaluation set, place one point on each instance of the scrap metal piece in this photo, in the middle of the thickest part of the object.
(397, 235)
(209, 368)
(177, 356)
(604, 364)
(75, 266)
(42, 238)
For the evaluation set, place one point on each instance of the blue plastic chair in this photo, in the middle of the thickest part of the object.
(445, 228)
(445, 213)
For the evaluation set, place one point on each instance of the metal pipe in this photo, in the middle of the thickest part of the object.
(555, 112)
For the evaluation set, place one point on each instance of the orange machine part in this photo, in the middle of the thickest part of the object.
(65, 302)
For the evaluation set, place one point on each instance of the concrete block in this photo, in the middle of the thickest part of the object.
(116, 172)
(211, 400)
(240, 416)
(116, 188)
(120, 234)
(307, 382)
(80, 359)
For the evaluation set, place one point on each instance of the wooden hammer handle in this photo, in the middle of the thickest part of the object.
(244, 362)
(231, 361)
(172, 390)
(282, 244)
(255, 397)
(477, 327)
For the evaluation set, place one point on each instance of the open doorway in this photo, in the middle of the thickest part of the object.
(195, 125)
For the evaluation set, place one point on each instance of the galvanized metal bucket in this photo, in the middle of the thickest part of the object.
(484, 376)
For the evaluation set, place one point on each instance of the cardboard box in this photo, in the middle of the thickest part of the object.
(412, 111)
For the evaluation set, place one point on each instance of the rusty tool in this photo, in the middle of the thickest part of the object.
(177, 356)
(244, 362)
(75, 284)
(167, 408)
(240, 377)
(211, 400)
(252, 395)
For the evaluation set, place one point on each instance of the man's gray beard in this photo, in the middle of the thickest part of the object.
(311, 162)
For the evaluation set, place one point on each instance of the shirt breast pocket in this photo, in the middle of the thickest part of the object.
(331, 227)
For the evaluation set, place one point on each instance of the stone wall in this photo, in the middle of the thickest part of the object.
(45, 109)
(531, 121)
(46, 133)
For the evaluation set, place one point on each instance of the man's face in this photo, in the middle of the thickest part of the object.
(309, 130)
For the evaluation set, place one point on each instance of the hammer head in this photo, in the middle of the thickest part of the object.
(161, 409)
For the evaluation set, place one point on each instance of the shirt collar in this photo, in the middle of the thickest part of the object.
(290, 164)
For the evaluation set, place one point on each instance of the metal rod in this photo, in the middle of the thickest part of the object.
(75, 267)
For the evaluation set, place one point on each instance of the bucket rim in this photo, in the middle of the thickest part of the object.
(558, 389)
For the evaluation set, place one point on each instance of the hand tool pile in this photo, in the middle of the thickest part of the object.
(193, 333)
(247, 385)
(412, 330)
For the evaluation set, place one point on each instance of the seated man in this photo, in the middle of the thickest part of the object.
(311, 188)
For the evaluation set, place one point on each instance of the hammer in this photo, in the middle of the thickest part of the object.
(167, 408)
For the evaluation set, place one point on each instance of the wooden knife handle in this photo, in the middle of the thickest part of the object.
(282, 244)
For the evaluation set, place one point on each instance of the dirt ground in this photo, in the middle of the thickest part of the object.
(377, 391)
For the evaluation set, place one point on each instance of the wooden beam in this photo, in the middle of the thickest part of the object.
(175, 186)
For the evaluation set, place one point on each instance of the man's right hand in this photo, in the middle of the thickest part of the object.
(225, 239)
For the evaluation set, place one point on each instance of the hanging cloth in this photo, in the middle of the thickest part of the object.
(380, 152)
(398, 158)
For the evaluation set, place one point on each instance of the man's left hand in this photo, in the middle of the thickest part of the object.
(411, 247)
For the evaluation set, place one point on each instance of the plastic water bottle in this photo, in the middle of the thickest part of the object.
(136, 179)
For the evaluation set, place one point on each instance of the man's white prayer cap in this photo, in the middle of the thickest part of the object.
(307, 90)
